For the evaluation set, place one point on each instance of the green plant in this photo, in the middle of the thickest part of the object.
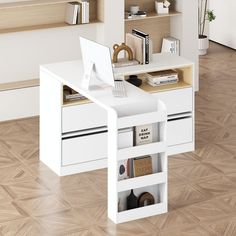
(204, 14)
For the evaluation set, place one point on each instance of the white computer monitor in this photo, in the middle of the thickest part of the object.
(97, 64)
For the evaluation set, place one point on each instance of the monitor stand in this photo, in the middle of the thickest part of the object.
(87, 77)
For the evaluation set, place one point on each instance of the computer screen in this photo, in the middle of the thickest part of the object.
(97, 63)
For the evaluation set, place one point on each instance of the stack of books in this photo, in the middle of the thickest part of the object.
(71, 95)
(138, 41)
(162, 78)
(77, 12)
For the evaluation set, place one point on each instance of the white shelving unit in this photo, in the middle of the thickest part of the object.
(155, 183)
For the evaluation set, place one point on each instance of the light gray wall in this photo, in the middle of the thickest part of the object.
(223, 29)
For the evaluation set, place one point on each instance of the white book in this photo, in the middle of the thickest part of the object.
(79, 14)
(170, 45)
(71, 13)
(84, 11)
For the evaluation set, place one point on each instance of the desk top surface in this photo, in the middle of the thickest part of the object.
(71, 73)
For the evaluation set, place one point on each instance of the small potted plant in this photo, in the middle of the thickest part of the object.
(204, 14)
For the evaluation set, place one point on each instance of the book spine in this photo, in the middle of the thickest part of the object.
(146, 37)
(144, 47)
(87, 12)
(79, 14)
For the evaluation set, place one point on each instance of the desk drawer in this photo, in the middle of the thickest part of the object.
(84, 148)
(177, 101)
(83, 117)
(179, 131)
(91, 146)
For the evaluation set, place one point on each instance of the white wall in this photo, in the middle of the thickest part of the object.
(185, 28)
(223, 28)
(21, 53)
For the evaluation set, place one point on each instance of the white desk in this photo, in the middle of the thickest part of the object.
(138, 108)
(58, 120)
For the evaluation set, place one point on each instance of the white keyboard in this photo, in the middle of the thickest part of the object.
(119, 89)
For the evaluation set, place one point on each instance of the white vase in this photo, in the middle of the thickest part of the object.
(203, 45)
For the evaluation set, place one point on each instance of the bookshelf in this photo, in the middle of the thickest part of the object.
(154, 183)
(156, 25)
(41, 14)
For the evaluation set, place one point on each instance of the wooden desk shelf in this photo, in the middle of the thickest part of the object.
(41, 14)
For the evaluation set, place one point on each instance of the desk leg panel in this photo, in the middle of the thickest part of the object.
(50, 121)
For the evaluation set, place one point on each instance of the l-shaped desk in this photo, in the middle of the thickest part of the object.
(74, 137)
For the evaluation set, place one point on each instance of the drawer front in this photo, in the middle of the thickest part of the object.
(179, 131)
(91, 147)
(83, 117)
(177, 101)
(84, 148)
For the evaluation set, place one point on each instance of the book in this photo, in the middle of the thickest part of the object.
(71, 13)
(146, 38)
(142, 166)
(136, 44)
(170, 45)
(85, 11)
(143, 134)
(162, 78)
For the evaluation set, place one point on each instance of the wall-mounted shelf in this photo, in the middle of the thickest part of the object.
(44, 26)
(153, 15)
(19, 84)
(42, 14)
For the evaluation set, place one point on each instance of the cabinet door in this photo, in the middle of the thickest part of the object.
(177, 101)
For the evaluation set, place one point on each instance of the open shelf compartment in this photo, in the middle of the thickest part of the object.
(158, 191)
(158, 175)
(32, 15)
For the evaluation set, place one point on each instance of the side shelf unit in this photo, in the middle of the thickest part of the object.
(41, 14)
(155, 183)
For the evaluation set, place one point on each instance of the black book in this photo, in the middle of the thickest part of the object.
(146, 37)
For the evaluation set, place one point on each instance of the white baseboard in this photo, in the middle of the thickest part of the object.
(19, 103)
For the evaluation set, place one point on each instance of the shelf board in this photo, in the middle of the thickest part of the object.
(180, 85)
(142, 212)
(45, 26)
(142, 181)
(141, 150)
(152, 15)
(31, 3)
(19, 84)
(76, 102)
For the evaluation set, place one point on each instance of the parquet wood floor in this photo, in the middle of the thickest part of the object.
(202, 184)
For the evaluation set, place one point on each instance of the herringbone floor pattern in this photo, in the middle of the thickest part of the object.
(202, 184)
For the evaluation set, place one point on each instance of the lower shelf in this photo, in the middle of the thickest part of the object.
(142, 212)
